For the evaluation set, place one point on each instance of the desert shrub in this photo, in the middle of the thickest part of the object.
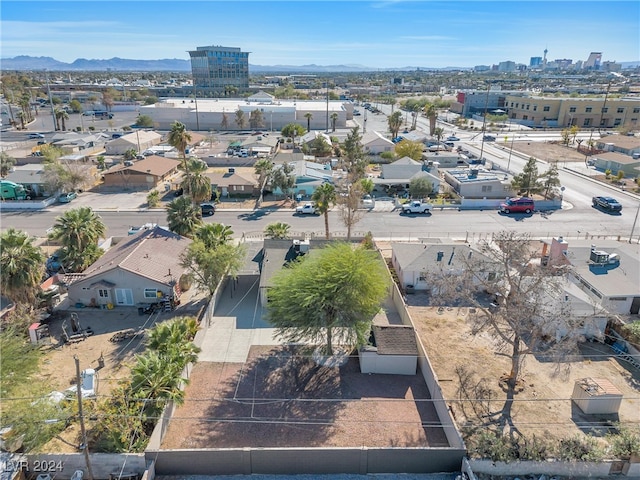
(491, 445)
(534, 449)
(631, 331)
(579, 448)
(625, 442)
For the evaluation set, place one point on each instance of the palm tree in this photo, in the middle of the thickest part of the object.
(324, 197)
(61, 115)
(179, 138)
(431, 112)
(22, 265)
(79, 230)
(395, 122)
(195, 183)
(308, 116)
(277, 230)
(263, 169)
(214, 234)
(334, 119)
(439, 133)
(183, 217)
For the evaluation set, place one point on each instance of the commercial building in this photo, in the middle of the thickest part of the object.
(216, 68)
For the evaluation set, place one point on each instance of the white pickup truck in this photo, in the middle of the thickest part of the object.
(306, 209)
(416, 206)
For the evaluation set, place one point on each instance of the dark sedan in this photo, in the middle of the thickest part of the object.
(607, 203)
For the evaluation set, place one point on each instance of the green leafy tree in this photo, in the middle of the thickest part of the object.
(438, 132)
(256, 119)
(6, 164)
(78, 230)
(292, 130)
(395, 122)
(277, 230)
(324, 198)
(283, 179)
(574, 130)
(183, 217)
(22, 266)
(367, 185)
(144, 121)
(420, 187)
(355, 160)
(214, 234)
(308, 116)
(408, 148)
(195, 182)
(319, 147)
(241, 120)
(565, 134)
(75, 106)
(208, 266)
(550, 180)
(526, 182)
(329, 298)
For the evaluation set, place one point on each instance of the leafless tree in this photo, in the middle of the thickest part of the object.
(348, 206)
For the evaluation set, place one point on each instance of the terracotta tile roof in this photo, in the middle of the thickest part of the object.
(153, 165)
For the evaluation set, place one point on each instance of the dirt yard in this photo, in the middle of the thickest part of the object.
(279, 397)
(543, 407)
(549, 152)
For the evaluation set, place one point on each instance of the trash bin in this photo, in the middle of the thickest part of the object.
(140, 310)
(410, 289)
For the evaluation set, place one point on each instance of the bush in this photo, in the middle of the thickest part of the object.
(625, 443)
(579, 448)
(631, 331)
(491, 445)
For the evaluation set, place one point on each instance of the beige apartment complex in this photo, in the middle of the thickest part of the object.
(565, 112)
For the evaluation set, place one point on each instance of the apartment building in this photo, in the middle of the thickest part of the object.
(564, 112)
(215, 67)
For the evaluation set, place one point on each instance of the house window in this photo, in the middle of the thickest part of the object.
(587, 122)
(588, 109)
(525, 117)
(617, 122)
(486, 188)
(572, 109)
(636, 110)
(527, 106)
(546, 108)
(150, 293)
(239, 188)
(517, 105)
(535, 108)
(605, 109)
(620, 110)
(103, 293)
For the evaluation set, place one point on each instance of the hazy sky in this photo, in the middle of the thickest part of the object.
(377, 34)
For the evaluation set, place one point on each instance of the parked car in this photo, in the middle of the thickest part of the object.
(607, 203)
(416, 206)
(453, 138)
(306, 209)
(518, 205)
(146, 226)
(489, 138)
(207, 209)
(178, 192)
(67, 197)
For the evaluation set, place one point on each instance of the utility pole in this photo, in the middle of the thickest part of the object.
(84, 446)
(484, 121)
(53, 112)
(327, 107)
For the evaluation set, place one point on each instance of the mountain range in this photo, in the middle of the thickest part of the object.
(25, 62)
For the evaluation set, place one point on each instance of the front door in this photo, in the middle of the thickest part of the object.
(124, 296)
(104, 297)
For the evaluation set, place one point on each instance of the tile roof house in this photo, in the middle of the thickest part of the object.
(608, 271)
(143, 174)
(140, 269)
